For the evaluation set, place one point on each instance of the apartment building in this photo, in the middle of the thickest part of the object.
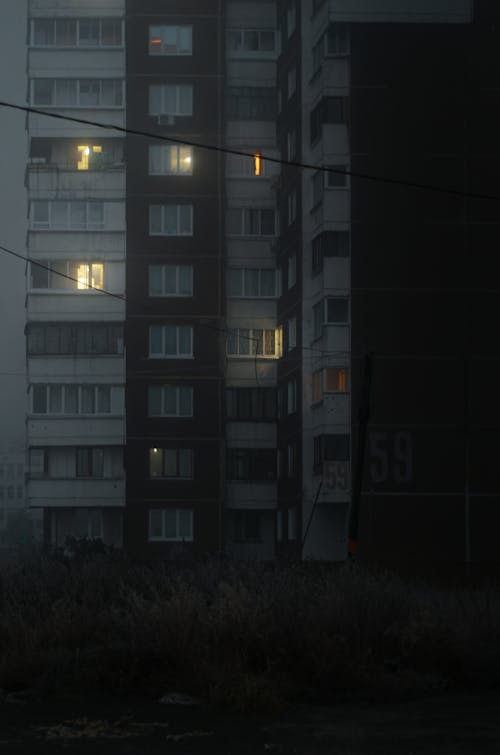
(76, 243)
(258, 294)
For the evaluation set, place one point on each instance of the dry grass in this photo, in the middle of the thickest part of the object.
(242, 636)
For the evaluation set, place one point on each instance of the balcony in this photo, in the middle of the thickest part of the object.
(333, 409)
(251, 495)
(64, 493)
(74, 431)
(55, 181)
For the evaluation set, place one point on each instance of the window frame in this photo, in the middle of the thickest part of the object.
(178, 354)
(177, 538)
(163, 273)
(100, 20)
(179, 208)
(77, 105)
(178, 413)
(160, 51)
(189, 452)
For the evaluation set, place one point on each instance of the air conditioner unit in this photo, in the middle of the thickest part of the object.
(166, 120)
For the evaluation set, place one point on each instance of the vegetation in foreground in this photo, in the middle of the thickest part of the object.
(244, 636)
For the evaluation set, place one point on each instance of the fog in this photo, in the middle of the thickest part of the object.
(12, 224)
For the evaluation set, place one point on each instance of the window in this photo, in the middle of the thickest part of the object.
(171, 342)
(330, 448)
(292, 270)
(337, 40)
(328, 244)
(336, 379)
(251, 282)
(38, 462)
(291, 460)
(292, 524)
(89, 156)
(170, 160)
(244, 342)
(333, 43)
(256, 464)
(318, 318)
(337, 309)
(171, 220)
(291, 17)
(89, 462)
(77, 93)
(291, 145)
(57, 215)
(291, 396)
(170, 40)
(329, 380)
(290, 334)
(77, 338)
(328, 110)
(251, 104)
(246, 526)
(171, 99)
(318, 183)
(76, 32)
(279, 526)
(248, 221)
(71, 399)
(170, 280)
(170, 401)
(249, 43)
(291, 81)
(87, 523)
(171, 463)
(317, 386)
(67, 275)
(251, 404)
(244, 166)
(174, 525)
(337, 177)
(292, 207)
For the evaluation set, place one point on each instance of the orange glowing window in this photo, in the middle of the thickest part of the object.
(258, 164)
(156, 41)
(336, 380)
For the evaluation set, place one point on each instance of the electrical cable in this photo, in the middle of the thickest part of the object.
(264, 157)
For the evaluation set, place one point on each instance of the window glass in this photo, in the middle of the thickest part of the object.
(155, 524)
(89, 32)
(39, 399)
(185, 524)
(337, 310)
(103, 399)
(66, 32)
(55, 399)
(39, 274)
(155, 462)
(44, 32)
(71, 399)
(111, 33)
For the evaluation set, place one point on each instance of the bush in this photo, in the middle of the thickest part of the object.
(247, 636)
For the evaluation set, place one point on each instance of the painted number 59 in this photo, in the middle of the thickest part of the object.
(391, 457)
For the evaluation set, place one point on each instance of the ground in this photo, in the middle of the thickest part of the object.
(451, 724)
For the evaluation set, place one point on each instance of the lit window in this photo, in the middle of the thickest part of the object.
(170, 40)
(336, 380)
(86, 152)
(244, 342)
(258, 164)
(171, 463)
(170, 159)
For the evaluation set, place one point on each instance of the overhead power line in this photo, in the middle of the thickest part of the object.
(242, 153)
(122, 297)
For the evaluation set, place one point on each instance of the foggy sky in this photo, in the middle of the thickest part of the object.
(12, 223)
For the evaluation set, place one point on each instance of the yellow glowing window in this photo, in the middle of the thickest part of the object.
(336, 379)
(257, 159)
(90, 275)
(85, 151)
